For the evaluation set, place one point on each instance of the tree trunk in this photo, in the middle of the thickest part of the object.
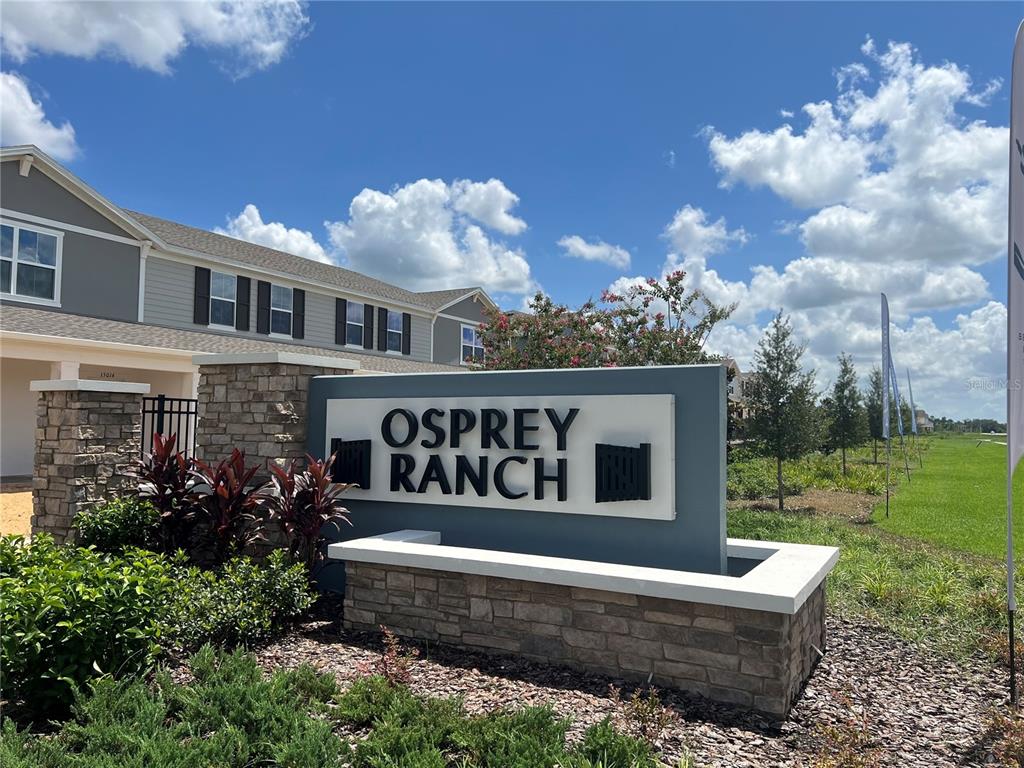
(874, 444)
(778, 474)
(844, 460)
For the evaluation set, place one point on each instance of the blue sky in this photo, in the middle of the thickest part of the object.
(596, 120)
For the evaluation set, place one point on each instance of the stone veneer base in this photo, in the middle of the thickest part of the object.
(751, 658)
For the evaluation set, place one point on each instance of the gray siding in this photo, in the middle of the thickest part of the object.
(98, 277)
(470, 309)
(170, 286)
(37, 194)
(448, 341)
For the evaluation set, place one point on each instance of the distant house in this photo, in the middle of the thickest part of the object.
(924, 422)
(739, 386)
(91, 290)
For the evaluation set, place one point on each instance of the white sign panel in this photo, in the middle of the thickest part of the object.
(579, 454)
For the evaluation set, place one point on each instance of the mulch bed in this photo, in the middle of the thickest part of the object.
(921, 710)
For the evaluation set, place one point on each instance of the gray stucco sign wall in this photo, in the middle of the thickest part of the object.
(623, 465)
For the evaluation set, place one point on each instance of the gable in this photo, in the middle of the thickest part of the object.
(469, 309)
(39, 195)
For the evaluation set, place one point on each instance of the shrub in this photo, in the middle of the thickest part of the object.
(392, 665)
(754, 478)
(70, 614)
(242, 603)
(302, 503)
(223, 504)
(119, 524)
(603, 745)
(229, 716)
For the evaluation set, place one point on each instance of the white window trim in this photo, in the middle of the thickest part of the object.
(57, 268)
(234, 301)
(388, 331)
(476, 332)
(290, 311)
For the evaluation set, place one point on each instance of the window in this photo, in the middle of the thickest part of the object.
(222, 299)
(394, 331)
(354, 323)
(29, 262)
(472, 345)
(281, 310)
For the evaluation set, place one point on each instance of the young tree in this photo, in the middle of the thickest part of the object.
(655, 322)
(783, 420)
(873, 405)
(846, 419)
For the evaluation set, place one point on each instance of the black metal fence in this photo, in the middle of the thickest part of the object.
(162, 415)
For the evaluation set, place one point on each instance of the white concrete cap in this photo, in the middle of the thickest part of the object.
(286, 358)
(87, 385)
(785, 578)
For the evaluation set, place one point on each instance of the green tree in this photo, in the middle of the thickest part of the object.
(845, 415)
(783, 421)
(655, 322)
(873, 404)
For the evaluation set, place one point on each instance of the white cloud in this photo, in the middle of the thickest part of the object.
(488, 202)
(900, 194)
(250, 35)
(430, 235)
(23, 121)
(249, 225)
(576, 247)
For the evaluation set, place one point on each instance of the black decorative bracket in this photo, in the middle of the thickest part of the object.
(622, 472)
(352, 461)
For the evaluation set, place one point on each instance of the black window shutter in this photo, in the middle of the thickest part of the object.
(382, 329)
(201, 300)
(298, 313)
(340, 318)
(406, 333)
(262, 307)
(243, 294)
(367, 326)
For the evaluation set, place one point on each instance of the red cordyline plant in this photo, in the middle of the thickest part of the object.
(303, 502)
(227, 507)
(166, 482)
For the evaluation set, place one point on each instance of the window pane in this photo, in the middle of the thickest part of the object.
(35, 281)
(467, 335)
(27, 242)
(222, 286)
(354, 334)
(47, 250)
(467, 352)
(6, 242)
(394, 321)
(478, 353)
(394, 341)
(281, 298)
(222, 312)
(5, 276)
(281, 322)
(355, 312)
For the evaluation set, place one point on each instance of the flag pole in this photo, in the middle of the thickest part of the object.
(1014, 329)
(886, 383)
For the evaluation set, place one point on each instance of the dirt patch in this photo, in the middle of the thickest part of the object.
(15, 512)
(853, 507)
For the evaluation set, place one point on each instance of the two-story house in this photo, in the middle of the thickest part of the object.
(91, 290)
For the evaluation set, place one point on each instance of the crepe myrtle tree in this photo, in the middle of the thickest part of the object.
(783, 422)
(845, 416)
(654, 322)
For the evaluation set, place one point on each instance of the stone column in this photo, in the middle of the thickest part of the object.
(258, 403)
(87, 434)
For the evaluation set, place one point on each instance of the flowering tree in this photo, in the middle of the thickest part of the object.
(651, 323)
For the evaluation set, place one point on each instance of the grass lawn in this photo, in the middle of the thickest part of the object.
(958, 499)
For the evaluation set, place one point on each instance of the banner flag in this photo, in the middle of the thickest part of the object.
(896, 395)
(913, 411)
(886, 376)
(1015, 267)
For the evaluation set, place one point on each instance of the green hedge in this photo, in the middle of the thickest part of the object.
(119, 524)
